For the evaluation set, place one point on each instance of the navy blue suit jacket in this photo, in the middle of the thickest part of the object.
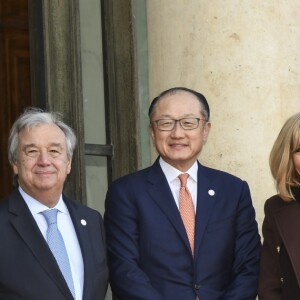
(148, 250)
(28, 269)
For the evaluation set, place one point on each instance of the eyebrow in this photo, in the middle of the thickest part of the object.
(184, 116)
(59, 145)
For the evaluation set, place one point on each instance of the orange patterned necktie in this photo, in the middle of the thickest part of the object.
(187, 210)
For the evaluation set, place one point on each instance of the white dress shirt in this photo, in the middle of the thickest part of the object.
(172, 174)
(66, 227)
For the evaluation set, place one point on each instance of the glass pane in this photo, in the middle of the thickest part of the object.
(93, 100)
(92, 72)
(96, 181)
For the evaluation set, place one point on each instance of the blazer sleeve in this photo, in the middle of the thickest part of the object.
(247, 249)
(269, 278)
(127, 279)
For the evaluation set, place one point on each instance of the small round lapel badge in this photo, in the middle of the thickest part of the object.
(83, 222)
(211, 192)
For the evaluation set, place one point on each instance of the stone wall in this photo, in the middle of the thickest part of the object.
(244, 57)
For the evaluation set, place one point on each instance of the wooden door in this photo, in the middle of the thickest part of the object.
(14, 76)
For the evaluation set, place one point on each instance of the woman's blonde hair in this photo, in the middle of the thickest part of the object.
(281, 157)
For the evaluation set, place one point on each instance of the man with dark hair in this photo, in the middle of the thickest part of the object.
(179, 230)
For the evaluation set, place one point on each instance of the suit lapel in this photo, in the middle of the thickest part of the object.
(85, 245)
(26, 227)
(288, 222)
(160, 192)
(205, 204)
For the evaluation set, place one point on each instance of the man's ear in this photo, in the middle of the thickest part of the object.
(15, 168)
(206, 131)
(69, 165)
(151, 131)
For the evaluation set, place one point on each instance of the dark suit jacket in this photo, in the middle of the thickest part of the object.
(148, 249)
(29, 271)
(280, 262)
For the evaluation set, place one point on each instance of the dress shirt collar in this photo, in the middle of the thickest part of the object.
(172, 173)
(37, 207)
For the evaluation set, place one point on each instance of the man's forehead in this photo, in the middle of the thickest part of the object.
(42, 135)
(49, 144)
(187, 104)
(46, 129)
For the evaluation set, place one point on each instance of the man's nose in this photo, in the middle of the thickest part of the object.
(177, 130)
(43, 158)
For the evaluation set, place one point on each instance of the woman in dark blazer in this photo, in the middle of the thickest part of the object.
(280, 261)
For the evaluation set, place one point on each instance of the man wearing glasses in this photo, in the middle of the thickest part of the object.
(179, 230)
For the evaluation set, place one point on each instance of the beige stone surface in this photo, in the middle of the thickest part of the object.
(244, 57)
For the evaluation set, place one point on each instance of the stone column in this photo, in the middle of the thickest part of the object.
(244, 57)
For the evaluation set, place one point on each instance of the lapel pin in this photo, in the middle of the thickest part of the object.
(211, 192)
(83, 222)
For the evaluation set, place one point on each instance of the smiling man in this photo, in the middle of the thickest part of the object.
(179, 230)
(52, 247)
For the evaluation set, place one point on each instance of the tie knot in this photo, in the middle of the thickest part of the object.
(183, 179)
(50, 216)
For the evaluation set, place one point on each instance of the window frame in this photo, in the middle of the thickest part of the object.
(56, 65)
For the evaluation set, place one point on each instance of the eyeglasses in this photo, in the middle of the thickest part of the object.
(185, 123)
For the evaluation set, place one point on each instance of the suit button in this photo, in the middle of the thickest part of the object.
(197, 286)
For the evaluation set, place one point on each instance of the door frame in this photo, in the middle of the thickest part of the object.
(57, 85)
